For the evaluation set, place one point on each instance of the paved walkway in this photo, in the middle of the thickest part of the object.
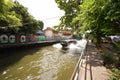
(92, 67)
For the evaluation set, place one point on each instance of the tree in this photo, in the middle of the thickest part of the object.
(71, 8)
(101, 17)
(29, 24)
(112, 10)
(8, 17)
(91, 18)
(40, 24)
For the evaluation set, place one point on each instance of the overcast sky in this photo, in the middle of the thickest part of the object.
(45, 10)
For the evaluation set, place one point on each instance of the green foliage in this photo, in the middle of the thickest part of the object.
(8, 17)
(13, 15)
(108, 58)
(117, 47)
(40, 24)
(102, 17)
(92, 18)
(71, 8)
(116, 71)
(115, 75)
(29, 24)
(110, 61)
(4, 7)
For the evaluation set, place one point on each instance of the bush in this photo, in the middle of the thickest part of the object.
(116, 75)
(117, 47)
(113, 77)
(107, 58)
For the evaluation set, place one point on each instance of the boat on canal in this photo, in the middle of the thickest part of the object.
(73, 45)
(66, 43)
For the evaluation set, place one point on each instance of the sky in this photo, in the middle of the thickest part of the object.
(44, 10)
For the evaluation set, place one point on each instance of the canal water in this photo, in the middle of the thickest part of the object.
(41, 63)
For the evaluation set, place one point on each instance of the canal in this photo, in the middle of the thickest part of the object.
(38, 63)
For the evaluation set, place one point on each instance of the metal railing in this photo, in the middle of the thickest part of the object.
(76, 72)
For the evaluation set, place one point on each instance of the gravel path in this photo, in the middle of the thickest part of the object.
(92, 67)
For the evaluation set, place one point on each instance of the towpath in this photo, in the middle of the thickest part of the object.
(92, 67)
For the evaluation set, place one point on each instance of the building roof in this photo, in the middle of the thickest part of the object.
(40, 32)
(48, 28)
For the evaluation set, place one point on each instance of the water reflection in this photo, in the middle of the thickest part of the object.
(44, 63)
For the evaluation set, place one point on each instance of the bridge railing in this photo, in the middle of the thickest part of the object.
(76, 72)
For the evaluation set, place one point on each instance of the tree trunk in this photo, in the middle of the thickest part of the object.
(118, 65)
(98, 39)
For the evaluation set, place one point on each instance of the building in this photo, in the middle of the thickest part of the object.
(67, 34)
(49, 33)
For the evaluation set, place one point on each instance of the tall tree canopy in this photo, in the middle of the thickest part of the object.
(16, 18)
(71, 10)
(8, 17)
(101, 17)
(29, 24)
